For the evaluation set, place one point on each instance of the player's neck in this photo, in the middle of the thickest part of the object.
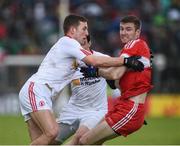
(132, 40)
(68, 35)
(90, 50)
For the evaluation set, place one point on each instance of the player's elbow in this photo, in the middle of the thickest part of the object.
(52, 133)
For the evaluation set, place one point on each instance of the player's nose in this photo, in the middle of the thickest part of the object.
(86, 33)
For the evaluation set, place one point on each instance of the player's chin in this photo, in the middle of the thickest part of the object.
(124, 41)
(83, 42)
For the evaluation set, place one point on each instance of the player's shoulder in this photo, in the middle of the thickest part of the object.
(65, 40)
(134, 43)
(141, 43)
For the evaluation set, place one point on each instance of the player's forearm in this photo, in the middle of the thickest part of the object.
(108, 61)
(103, 61)
(112, 73)
(106, 73)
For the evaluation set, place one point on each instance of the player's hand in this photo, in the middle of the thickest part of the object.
(133, 63)
(89, 71)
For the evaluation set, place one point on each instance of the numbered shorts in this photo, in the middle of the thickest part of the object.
(87, 117)
(34, 97)
(125, 117)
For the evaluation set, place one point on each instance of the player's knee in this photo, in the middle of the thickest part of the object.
(82, 140)
(77, 136)
(56, 142)
(52, 133)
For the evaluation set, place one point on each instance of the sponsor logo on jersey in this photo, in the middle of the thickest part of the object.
(76, 82)
(75, 64)
(89, 81)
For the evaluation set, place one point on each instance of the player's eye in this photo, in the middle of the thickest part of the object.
(84, 28)
(121, 29)
(129, 29)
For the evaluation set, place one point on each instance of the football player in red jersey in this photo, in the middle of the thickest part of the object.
(127, 115)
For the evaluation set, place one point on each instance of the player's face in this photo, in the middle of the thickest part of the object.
(128, 32)
(81, 33)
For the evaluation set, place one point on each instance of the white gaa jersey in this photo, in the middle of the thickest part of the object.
(88, 93)
(58, 66)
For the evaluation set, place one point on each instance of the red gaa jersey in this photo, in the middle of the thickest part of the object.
(134, 83)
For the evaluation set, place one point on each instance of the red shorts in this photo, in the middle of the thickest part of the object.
(125, 117)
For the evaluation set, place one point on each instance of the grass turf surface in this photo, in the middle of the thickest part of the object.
(159, 131)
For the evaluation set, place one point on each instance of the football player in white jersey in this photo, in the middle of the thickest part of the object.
(54, 73)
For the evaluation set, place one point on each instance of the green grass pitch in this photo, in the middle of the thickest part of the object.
(159, 131)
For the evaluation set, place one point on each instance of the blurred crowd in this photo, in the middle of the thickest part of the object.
(33, 26)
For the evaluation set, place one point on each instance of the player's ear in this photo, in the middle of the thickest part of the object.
(72, 29)
(138, 31)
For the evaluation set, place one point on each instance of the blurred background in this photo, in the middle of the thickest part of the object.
(28, 29)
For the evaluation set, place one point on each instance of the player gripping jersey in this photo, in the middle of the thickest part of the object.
(54, 73)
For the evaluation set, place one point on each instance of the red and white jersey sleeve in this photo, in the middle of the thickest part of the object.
(134, 83)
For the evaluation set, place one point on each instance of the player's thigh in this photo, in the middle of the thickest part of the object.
(45, 120)
(34, 97)
(100, 132)
(34, 130)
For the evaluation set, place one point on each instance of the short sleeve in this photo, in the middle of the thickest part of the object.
(74, 49)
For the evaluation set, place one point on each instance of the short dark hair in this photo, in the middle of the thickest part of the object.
(132, 19)
(72, 20)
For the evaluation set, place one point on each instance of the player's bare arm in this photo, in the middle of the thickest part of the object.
(129, 62)
(103, 61)
(112, 73)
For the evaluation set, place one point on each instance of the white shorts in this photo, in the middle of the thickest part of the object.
(87, 117)
(34, 97)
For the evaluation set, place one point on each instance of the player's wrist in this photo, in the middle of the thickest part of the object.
(126, 62)
(121, 61)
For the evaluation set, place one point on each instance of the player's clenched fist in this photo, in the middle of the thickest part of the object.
(89, 71)
(133, 63)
